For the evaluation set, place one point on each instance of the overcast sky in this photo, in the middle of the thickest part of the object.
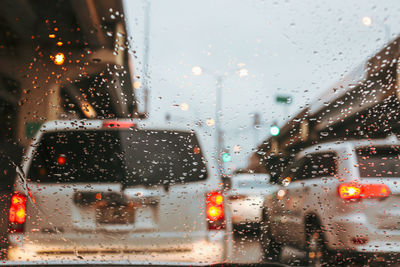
(296, 48)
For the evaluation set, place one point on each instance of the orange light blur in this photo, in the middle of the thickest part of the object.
(17, 211)
(280, 194)
(348, 191)
(218, 200)
(59, 43)
(354, 191)
(58, 59)
(375, 190)
(214, 212)
(20, 215)
(196, 150)
(52, 36)
(215, 208)
(61, 160)
(18, 199)
(88, 110)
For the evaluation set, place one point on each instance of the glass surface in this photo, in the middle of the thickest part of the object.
(155, 132)
(130, 157)
(379, 162)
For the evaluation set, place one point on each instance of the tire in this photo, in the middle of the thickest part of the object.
(317, 253)
(271, 249)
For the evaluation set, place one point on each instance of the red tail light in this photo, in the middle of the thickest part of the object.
(215, 210)
(61, 160)
(17, 211)
(118, 124)
(357, 191)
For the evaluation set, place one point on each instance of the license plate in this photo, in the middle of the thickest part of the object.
(115, 215)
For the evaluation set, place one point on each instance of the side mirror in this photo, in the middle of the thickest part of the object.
(227, 181)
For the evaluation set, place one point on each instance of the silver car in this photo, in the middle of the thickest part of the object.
(246, 198)
(336, 200)
(117, 190)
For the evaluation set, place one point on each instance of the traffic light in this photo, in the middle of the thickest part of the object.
(274, 130)
(226, 156)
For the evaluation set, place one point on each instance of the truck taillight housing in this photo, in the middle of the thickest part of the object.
(215, 211)
(118, 124)
(17, 212)
(358, 191)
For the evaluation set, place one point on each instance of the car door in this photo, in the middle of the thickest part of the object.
(306, 194)
(279, 211)
(293, 200)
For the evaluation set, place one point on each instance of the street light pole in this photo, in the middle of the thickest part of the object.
(146, 57)
(197, 71)
(218, 106)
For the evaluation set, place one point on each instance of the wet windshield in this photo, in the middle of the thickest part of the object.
(131, 157)
(151, 132)
(379, 161)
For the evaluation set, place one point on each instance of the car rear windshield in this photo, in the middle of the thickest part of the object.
(130, 157)
(379, 161)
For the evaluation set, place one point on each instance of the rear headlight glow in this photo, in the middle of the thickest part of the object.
(61, 160)
(17, 211)
(118, 124)
(215, 210)
(358, 191)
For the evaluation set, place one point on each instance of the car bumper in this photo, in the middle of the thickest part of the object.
(357, 235)
(212, 250)
(246, 211)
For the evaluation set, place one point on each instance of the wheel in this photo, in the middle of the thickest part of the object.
(271, 248)
(316, 252)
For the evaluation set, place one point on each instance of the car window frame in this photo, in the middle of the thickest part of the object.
(302, 161)
(317, 155)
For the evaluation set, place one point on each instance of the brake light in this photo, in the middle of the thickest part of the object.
(17, 211)
(61, 160)
(215, 210)
(118, 124)
(357, 191)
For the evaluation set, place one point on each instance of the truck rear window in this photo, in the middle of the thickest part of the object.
(131, 157)
(379, 161)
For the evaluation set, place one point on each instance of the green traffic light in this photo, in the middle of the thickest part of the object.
(274, 130)
(226, 157)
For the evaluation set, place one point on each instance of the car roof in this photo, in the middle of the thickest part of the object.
(350, 144)
(206, 139)
(86, 124)
(203, 134)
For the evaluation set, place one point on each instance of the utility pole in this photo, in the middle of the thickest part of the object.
(146, 56)
(218, 104)
(197, 71)
(256, 125)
